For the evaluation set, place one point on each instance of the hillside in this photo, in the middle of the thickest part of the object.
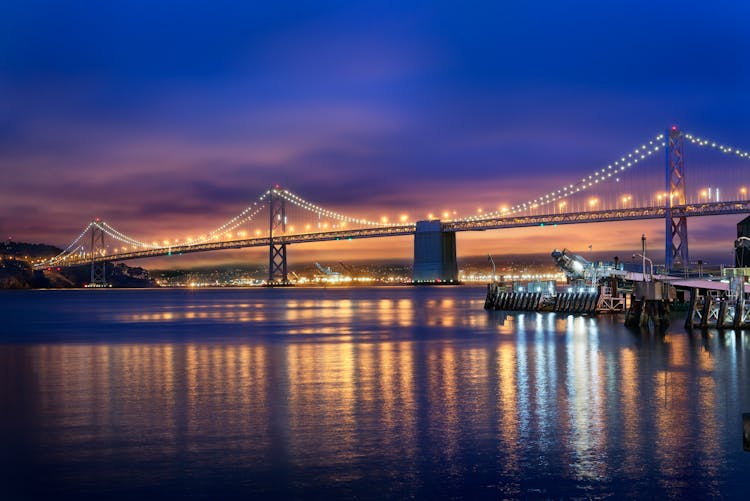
(16, 271)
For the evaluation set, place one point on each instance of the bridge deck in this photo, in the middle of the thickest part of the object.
(474, 224)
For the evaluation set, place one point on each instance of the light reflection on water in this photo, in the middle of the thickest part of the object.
(362, 392)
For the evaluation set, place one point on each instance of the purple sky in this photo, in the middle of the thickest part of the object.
(170, 117)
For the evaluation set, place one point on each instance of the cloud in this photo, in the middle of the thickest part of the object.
(170, 121)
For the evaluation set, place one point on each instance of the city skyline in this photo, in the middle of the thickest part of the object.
(167, 121)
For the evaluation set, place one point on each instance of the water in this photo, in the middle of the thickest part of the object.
(370, 393)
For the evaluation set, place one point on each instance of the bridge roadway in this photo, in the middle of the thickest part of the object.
(657, 212)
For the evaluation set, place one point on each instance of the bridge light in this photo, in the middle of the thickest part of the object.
(404, 218)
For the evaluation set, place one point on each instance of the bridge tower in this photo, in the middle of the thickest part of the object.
(277, 269)
(98, 268)
(676, 227)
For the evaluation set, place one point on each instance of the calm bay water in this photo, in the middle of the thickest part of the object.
(370, 393)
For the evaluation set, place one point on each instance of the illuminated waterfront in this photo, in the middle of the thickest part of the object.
(368, 392)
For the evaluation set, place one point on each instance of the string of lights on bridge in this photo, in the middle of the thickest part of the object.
(248, 214)
(631, 159)
(320, 211)
(618, 166)
(717, 146)
(614, 169)
(67, 250)
(118, 235)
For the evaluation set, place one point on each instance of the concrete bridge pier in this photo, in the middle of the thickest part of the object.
(434, 254)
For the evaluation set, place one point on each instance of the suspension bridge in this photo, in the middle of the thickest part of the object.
(624, 189)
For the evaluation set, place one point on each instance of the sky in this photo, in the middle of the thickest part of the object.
(164, 117)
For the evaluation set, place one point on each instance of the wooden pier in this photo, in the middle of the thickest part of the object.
(726, 307)
(598, 301)
(650, 305)
(718, 310)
